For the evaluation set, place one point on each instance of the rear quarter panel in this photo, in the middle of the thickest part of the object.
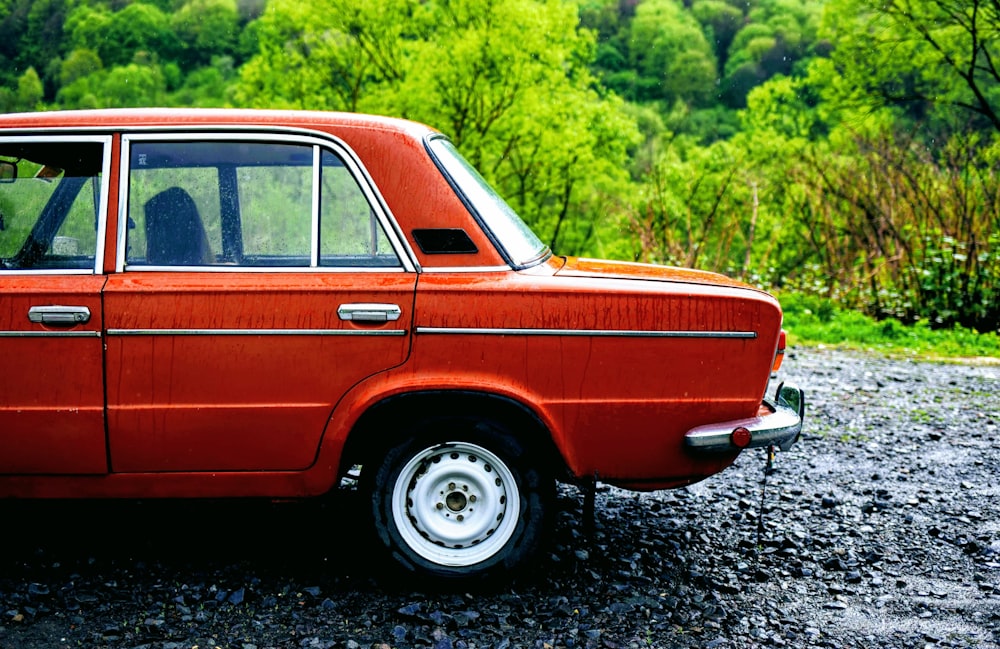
(617, 400)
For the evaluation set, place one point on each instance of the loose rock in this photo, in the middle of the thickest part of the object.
(880, 529)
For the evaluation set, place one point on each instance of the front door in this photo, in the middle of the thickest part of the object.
(52, 199)
(258, 282)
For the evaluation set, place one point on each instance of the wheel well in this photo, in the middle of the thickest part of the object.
(378, 429)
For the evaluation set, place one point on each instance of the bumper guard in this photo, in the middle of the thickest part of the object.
(781, 428)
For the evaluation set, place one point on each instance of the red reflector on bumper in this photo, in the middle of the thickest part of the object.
(741, 437)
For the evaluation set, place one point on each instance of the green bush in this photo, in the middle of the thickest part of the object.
(812, 320)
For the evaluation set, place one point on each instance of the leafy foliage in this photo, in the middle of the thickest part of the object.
(508, 81)
(931, 60)
(844, 149)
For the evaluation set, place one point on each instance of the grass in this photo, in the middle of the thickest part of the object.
(812, 321)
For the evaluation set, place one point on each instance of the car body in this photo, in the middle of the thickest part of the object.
(248, 303)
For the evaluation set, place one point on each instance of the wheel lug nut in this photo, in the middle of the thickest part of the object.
(440, 505)
(472, 498)
(451, 486)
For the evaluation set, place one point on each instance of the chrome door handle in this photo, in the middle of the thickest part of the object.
(369, 312)
(59, 315)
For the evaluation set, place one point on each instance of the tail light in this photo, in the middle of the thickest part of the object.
(779, 354)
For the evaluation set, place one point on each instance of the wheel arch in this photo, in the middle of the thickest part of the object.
(377, 430)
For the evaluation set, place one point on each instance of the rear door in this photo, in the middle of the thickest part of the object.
(259, 280)
(53, 198)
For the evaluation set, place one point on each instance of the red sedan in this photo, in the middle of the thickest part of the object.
(227, 303)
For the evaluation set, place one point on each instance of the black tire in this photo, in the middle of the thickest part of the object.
(459, 499)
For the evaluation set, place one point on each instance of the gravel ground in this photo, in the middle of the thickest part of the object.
(879, 529)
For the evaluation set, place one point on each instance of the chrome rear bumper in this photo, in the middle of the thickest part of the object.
(781, 428)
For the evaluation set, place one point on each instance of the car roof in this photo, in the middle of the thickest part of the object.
(135, 118)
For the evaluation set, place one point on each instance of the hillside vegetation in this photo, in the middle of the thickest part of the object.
(839, 149)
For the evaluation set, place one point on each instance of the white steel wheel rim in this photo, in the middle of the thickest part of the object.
(455, 504)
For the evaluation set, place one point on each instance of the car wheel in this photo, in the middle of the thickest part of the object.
(459, 499)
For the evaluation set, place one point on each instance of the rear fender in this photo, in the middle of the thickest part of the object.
(363, 421)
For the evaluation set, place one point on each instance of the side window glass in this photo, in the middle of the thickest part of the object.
(276, 208)
(252, 204)
(350, 235)
(49, 198)
(173, 207)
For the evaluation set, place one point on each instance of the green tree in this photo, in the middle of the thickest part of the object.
(717, 207)
(135, 84)
(206, 28)
(871, 214)
(8, 100)
(206, 87)
(924, 59)
(86, 27)
(671, 55)
(79, 64)
(721, 21)
(508, 80)
(142, 83)
(324, 54)
(41, 42)
(30, 36)
(139, 27)
(29, 90)
(776, 36)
